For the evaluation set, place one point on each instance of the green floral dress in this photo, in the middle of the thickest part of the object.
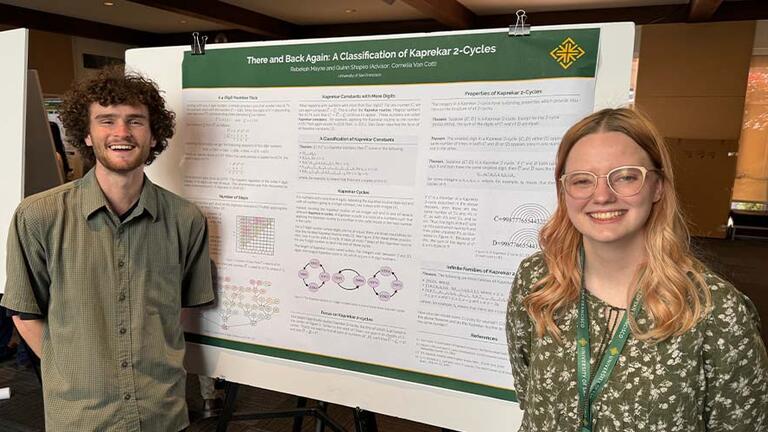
(712, 378)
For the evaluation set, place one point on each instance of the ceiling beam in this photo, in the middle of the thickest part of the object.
(449, 13)
(729, 11)
(185, 38)
(638, 15)
(226, 14)
(372, 28)
(702, 10)
(34, 19)
(742, 10)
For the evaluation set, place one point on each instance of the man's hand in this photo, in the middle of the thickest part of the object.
(32, 332)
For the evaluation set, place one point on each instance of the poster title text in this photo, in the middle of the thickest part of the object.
(408, 53)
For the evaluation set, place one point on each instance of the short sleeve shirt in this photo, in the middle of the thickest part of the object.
(110, 294)
(712, 378)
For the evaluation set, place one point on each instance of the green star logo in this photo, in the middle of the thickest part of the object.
(614, 351)
(567, 53)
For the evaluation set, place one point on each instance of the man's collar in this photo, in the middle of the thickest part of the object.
(148, 198)
(94, 199)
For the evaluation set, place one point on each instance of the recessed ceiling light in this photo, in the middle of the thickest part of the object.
(109, 3)
(183, 21)
(350, 10)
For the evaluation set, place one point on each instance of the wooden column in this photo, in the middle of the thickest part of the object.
(51, 55)
(691, 81)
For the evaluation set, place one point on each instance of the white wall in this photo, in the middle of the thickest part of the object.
(13, 78)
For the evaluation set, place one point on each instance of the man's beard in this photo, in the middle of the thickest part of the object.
(121, 165)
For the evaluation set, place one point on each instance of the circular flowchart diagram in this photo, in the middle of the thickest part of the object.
(384, 282)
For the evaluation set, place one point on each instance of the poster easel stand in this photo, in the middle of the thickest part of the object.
(365, 421)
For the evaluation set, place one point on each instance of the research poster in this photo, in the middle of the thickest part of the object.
(369, 200)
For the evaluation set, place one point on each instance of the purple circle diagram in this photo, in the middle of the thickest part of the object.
(338, 278)
(384, 283)
(376, 283)
(312, 278)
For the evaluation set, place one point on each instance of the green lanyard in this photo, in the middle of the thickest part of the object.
(589, 389)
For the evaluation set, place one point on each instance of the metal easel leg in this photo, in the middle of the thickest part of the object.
(319, 413)
(365, 421)
(298, 422)
(319, 422)
(230, 396)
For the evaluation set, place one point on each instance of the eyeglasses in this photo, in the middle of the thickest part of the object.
(624, 181)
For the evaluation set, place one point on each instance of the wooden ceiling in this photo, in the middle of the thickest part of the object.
(250, 20)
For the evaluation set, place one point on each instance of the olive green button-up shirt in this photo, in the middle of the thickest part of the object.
(110, 294)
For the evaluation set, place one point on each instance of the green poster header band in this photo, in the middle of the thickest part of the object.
(433, 59)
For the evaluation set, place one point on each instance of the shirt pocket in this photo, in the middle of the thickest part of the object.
(162, 282)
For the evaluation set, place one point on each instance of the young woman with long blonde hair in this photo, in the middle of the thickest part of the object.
(614, 325)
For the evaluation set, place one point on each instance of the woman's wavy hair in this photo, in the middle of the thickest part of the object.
(670, 282)
(112, 86)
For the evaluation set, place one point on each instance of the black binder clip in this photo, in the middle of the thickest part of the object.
(520, 28)
(198, 44)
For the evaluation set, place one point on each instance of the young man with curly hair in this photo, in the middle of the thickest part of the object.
(99, 268)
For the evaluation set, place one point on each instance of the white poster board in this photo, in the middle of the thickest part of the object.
(178, 169)
(13, 86)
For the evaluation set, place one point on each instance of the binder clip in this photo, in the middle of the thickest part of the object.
(198, 44)
(520, 28)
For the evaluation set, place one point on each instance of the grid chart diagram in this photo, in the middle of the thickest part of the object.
(256, 235)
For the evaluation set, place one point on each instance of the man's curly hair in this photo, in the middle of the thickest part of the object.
(111, 86)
